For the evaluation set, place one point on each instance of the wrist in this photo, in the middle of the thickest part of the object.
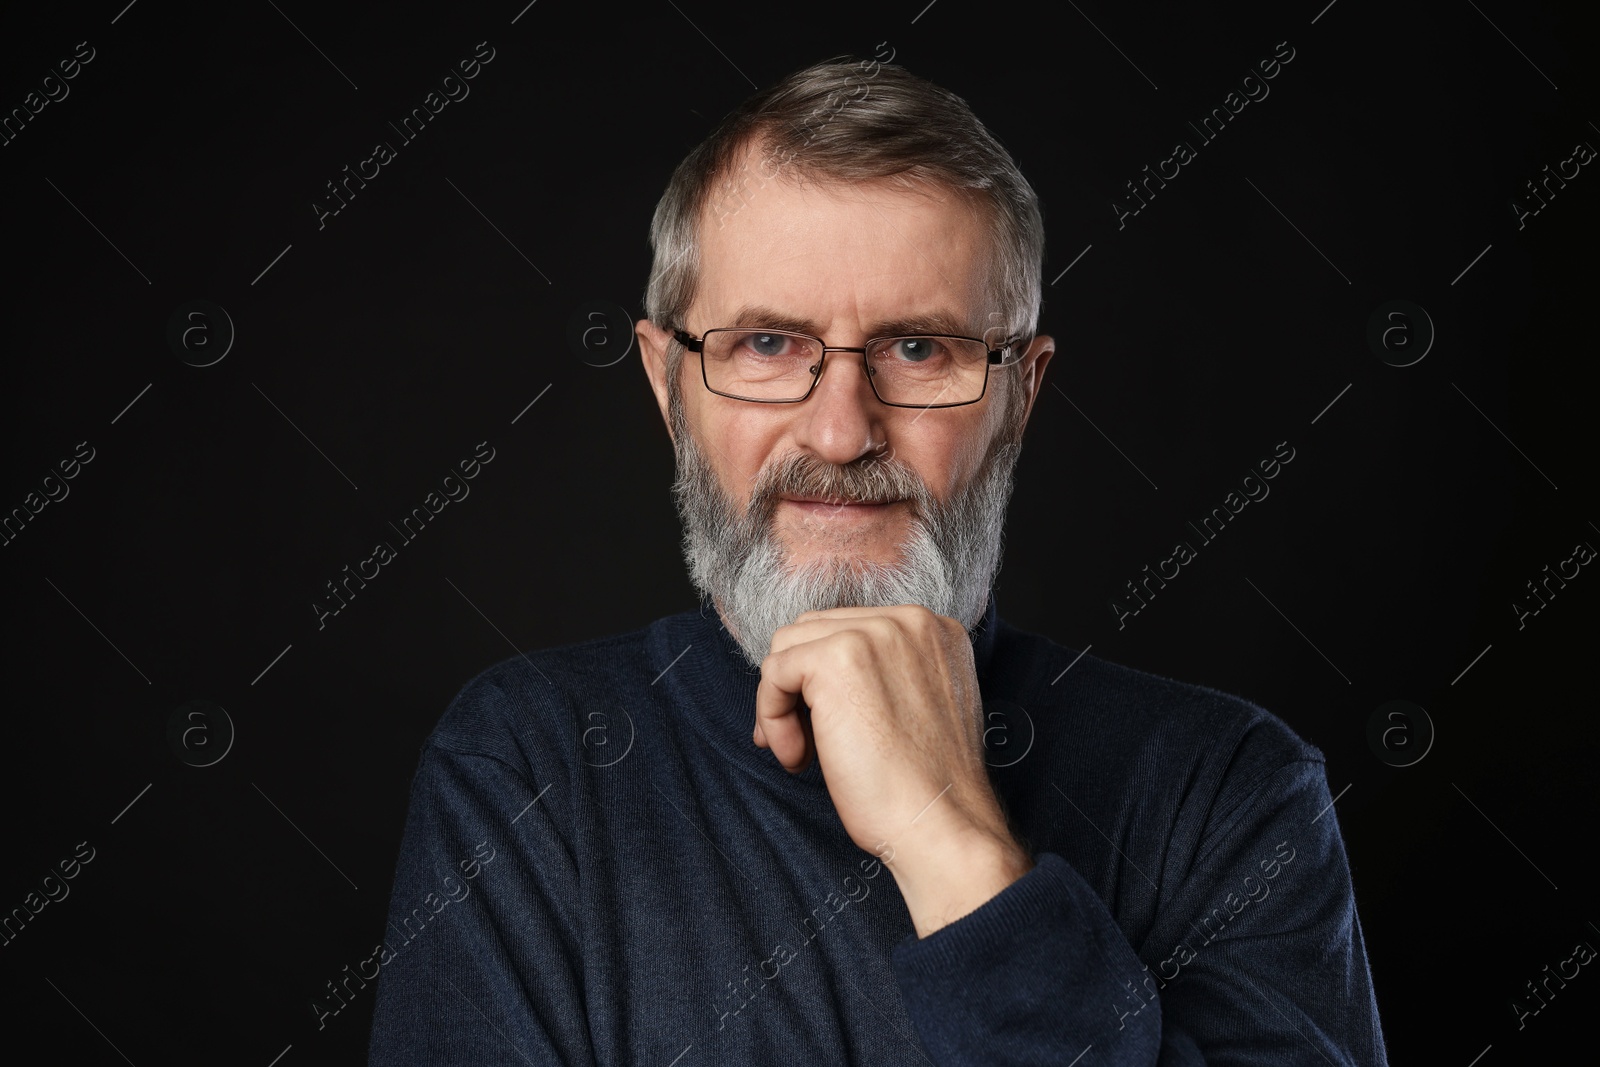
(951, 874)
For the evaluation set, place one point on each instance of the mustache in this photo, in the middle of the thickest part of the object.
(868, 480)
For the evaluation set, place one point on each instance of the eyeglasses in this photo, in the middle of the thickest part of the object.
(780, 367)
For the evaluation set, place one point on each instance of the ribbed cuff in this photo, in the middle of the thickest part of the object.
(1019, 910)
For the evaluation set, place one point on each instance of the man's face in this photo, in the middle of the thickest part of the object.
(846, 263)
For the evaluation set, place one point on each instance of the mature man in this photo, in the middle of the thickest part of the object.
(668, 847)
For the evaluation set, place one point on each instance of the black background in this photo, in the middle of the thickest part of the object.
(410, 327)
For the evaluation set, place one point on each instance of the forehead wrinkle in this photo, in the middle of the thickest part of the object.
(898, 288)
(936, 321)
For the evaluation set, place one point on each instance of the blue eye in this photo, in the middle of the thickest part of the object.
(766, 344)
(914, 349)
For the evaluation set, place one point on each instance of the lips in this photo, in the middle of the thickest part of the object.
(832, 502)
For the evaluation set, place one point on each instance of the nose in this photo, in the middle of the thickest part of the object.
(842, 419)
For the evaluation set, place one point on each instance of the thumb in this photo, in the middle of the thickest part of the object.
(779, 726)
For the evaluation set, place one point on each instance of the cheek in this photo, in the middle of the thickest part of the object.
(1009, 396)
(967, 446)
(736, 443)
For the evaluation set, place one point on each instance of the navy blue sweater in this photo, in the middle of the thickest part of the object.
(600, 867)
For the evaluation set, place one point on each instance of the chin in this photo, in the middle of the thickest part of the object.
(836, 558)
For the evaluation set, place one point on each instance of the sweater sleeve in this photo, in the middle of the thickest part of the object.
(481, 962)
(1255, 956)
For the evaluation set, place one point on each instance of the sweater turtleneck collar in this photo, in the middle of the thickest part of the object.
(713, 689)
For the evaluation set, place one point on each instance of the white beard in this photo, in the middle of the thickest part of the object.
(947, 563)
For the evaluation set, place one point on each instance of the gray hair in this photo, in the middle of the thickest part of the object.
(842, 121)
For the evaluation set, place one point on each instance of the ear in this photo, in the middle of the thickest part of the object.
(1030, 375)
(653, 342)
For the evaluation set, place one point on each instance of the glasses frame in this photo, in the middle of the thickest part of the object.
(997, 357)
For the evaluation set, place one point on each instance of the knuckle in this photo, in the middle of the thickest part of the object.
(927, 623)
(855, 648)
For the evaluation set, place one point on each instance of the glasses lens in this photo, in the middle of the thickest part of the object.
(760, 364)
(928, 370)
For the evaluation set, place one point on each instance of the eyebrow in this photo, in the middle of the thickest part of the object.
(936, 322)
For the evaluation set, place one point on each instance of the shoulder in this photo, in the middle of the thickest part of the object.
(526, 706)
(1139, 703)
(1214, 741)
